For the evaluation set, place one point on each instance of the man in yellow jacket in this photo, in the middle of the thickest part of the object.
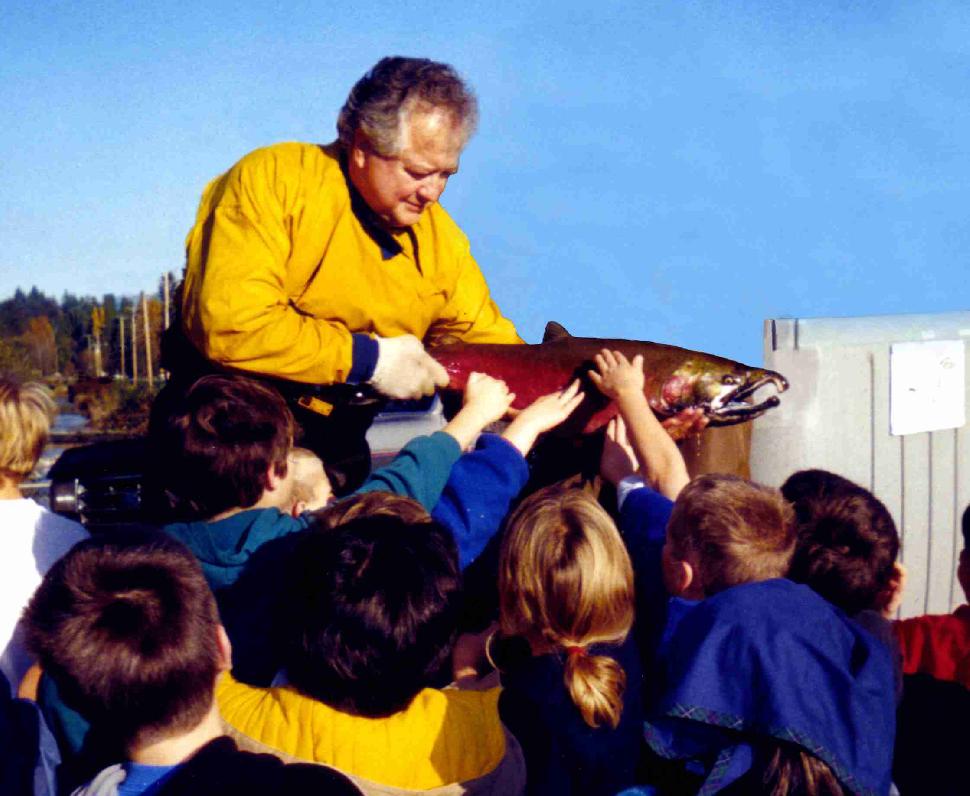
(315, 265)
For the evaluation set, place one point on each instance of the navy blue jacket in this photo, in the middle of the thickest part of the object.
(563, 754)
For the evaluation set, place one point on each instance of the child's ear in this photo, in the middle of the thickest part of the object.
(963, 573)
(683, 578)
(273, 479)
(891, 597)
(225, 649)
(678, 575)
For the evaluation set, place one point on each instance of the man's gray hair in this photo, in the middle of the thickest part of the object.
(394, 88)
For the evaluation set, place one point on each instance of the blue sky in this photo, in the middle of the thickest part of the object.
(671, 171)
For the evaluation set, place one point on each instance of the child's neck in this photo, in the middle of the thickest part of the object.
(268, 500)
(9, 489)
(176, 749)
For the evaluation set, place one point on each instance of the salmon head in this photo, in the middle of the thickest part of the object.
(726, 391)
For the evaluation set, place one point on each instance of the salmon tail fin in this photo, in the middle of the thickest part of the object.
(555, 331)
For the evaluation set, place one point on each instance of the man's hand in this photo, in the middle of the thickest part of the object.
(404, 370)
(544, 413)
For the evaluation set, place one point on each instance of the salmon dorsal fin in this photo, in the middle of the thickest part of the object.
(555, 331)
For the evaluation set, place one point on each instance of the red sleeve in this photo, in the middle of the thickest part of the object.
(935, 645)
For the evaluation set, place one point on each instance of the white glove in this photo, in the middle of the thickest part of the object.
(404, 369)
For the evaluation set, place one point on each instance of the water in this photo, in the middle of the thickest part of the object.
(69, 421)
(66, 420)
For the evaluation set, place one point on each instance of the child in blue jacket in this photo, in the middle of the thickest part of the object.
(753, 681)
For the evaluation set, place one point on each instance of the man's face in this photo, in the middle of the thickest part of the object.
(399, 187)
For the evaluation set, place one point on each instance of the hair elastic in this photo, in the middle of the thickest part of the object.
(575, 652)
(488, 649)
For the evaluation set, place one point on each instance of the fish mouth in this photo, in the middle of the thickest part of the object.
(735, 404)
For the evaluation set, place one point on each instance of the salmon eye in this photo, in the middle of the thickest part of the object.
(730, 378)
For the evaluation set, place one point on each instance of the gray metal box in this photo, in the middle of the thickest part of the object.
(836, 416)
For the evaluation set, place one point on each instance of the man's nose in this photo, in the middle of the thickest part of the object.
(430, 190)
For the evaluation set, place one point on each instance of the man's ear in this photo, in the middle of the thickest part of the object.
(225, 649)
(358, 151)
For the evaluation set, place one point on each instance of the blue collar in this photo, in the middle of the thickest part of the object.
(774, 659)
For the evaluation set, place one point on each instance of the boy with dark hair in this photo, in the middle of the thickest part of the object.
(940, 645)
(227, 445)
(131, 634)
(846, 552)
(226, 448)
(375, 607)
(733, 646)
(847, 541)
(226, 455)
(374, 602)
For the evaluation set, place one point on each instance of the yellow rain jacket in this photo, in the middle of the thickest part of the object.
(445, 742)
(283, 265)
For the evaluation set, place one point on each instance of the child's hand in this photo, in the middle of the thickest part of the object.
(617, 376)
(541, 415)
(686, 422)
(661, 463)
(618, 459)
(487, 398)
(469, 658)
(548, 411)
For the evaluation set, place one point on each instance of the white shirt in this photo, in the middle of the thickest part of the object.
(31, 540)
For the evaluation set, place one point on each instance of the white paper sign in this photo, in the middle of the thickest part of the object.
(927, 387)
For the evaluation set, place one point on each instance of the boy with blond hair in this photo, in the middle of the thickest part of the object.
(311, 487)
(31, 537)
(732, 646)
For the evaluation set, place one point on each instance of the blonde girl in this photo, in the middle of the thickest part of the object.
(572, 695)
(32, 537)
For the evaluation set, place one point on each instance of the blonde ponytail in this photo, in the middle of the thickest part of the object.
(566, 582)
(596, 684)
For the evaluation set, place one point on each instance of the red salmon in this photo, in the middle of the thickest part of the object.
(676, 378)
